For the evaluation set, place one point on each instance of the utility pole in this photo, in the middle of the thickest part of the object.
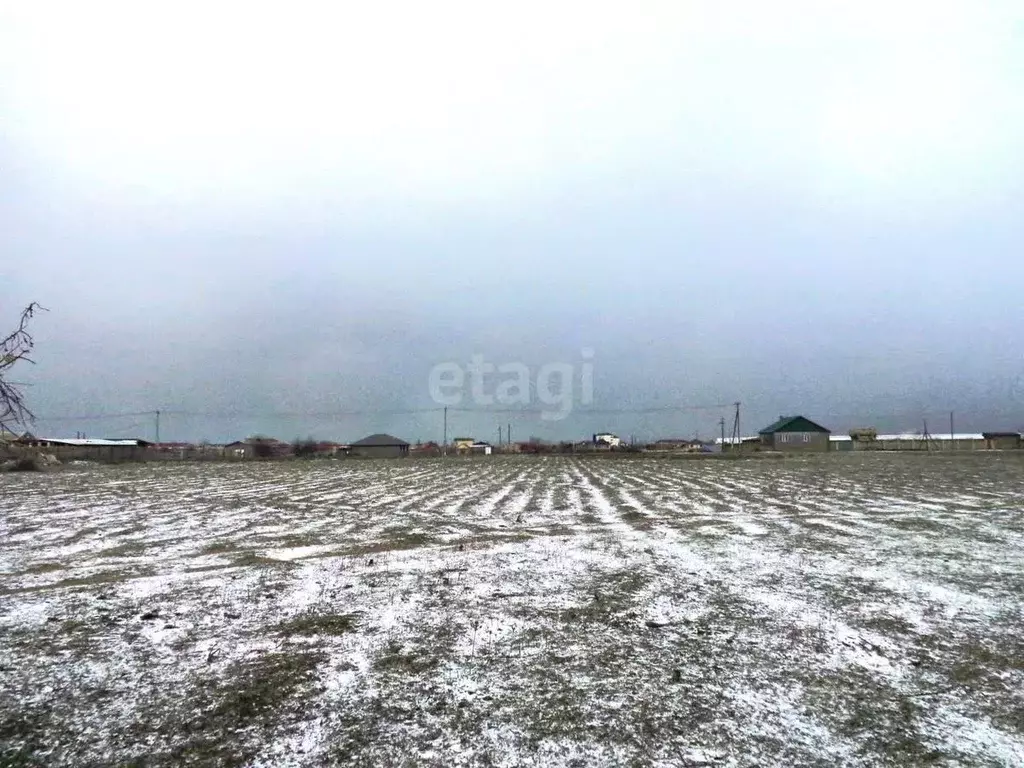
(721, 423)
(158, 426)
(499, 435)
(508, 433)
(952, 434)
(736, 438)
(444, 441)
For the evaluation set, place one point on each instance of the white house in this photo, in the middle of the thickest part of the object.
(607, 440)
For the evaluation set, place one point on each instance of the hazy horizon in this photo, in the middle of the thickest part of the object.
(263, 215)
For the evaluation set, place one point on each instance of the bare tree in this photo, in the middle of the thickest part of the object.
(305, 448)
(16, 348)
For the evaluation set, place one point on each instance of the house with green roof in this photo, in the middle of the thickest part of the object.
(795, 433)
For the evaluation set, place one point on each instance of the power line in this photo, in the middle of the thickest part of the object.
(377, 413)
(372, 412)
(93, 417)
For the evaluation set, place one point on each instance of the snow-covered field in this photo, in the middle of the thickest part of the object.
(836, 610)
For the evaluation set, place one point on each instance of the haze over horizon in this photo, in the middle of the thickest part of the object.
(246, 217)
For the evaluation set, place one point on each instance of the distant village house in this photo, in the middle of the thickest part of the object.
(380, 446)
(606, 440)
(87, 449)
(795, 433)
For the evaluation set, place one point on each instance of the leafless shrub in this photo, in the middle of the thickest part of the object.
(15, 348)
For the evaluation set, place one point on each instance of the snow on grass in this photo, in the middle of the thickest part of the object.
(854, 610)
(298, 553)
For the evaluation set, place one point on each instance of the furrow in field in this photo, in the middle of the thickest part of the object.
(855, 610)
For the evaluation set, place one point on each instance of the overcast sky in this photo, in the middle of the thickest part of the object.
(261, 212)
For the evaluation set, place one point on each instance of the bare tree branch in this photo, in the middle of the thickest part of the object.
(16, 348)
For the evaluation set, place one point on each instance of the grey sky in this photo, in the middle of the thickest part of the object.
(808, 207)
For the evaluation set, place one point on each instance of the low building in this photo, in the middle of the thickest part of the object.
(738, 445)
(859, 439)
(425, 449)
(239, 449)
(271, 447)
(462, 444)
(916, 441)
(1002, 441)
(327, 449)
(380, 446)
(795, 433)
(481, 448)
(184, 451)
(677, 444)
(606, 440)
(258, 447)
(172, 451)
(842, 443)
(88, 449)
